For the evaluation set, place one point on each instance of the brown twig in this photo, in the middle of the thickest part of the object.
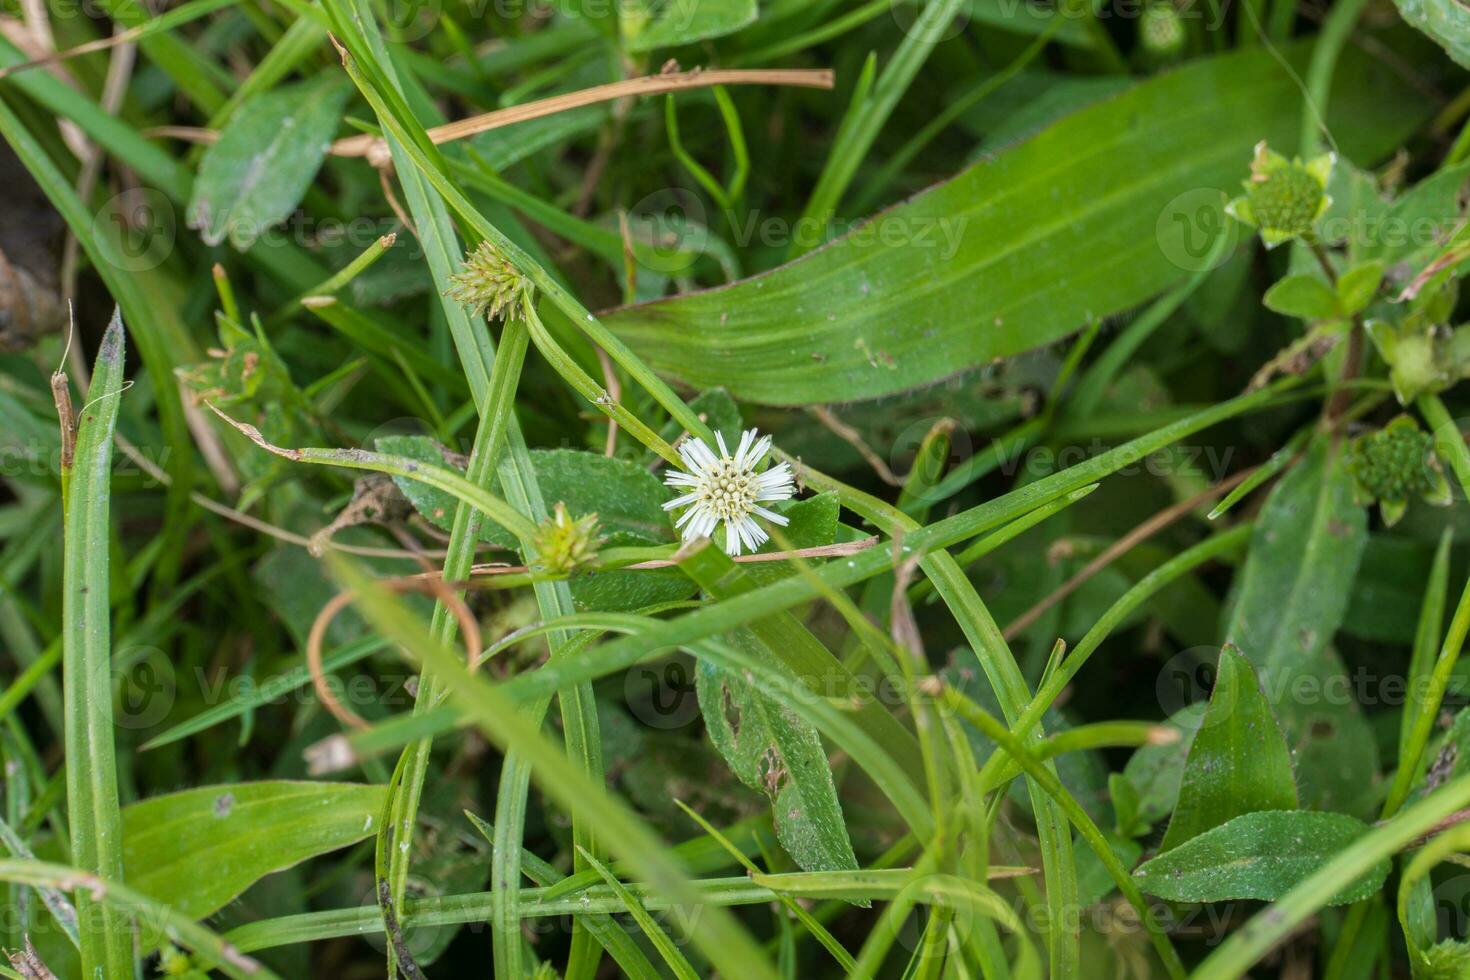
(90, 47)
(254, 523)
(854, 438)
(1126, 543)
(403, 954)
(1453, 820)
(368, 145)
(821, 551)
(468, 626)
(1352, 361)
(614, 388)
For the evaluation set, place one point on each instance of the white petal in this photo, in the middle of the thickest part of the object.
(678, 478)
(706, 453)
(696, 455)
(746, 438)
(753, 534)
(761, 448)
(772, 516)
(732, 540)
(720, 441)
(688, 498)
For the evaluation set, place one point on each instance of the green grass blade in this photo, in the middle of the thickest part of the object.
(92, 797)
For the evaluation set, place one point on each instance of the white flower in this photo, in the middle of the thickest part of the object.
(728, 488)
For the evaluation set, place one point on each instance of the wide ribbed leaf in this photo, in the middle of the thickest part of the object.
(1090, 217)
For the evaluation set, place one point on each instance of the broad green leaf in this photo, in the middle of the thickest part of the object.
(1446, 22)
(1258, 856)
(1035, 99)
(1304, 296)
(650, 24)
(776, 753)
(199, 848)
(1004, 257)
(1386, 595)
(1238, 762)
(265, 159)
(1410, 228)
(1358, 285)
(767, 746)
(1291, 599)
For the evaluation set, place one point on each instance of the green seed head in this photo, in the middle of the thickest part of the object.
(1396, 464)
(1161, 31)
(1284, 199)
(488, 283)
(565, 546)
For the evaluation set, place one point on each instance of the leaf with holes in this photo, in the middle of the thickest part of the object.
(773, 751)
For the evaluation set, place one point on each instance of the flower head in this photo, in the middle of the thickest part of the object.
(730, 489)
(1284, 199)
(566, 546)
(488, 283)
(1395, 464)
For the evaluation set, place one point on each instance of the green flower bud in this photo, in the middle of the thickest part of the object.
(1396, 464)
(1161, 30)
(565, 546)
(489, 284)
(1284, 199)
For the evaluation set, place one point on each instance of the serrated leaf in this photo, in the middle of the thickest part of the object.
(240, 832)
(1291, 599)
(627, 499)
(1238, 762)
(265, 159)
(650, 24)
(960, 261)
(1303, 296)
(1258, 856)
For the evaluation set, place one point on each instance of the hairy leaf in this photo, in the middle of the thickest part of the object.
(1238, 762)
(1258, 855)
(1291, 599)
(264, 161)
